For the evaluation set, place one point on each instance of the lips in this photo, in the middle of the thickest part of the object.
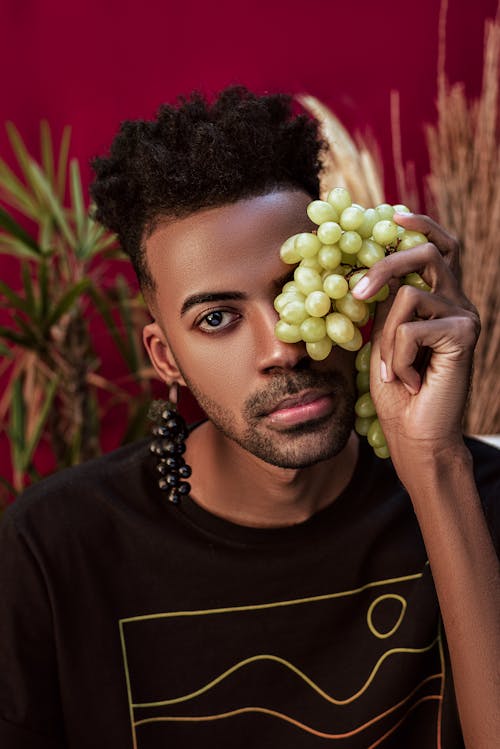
(295, 401)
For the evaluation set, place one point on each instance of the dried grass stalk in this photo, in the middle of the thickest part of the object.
(354, 164)
(464, 194)
(406, 175)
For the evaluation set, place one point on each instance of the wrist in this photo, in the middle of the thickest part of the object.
(427, 468)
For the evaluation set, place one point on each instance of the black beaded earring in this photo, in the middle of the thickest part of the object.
(168, 445)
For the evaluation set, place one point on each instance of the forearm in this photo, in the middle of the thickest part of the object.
(466, 573)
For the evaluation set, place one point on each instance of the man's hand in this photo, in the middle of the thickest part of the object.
(422, 344)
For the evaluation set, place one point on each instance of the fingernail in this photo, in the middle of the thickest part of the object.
(410, 389)
(383, 372)
(361, 287)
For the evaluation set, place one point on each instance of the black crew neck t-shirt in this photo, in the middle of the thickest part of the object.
(129, 623)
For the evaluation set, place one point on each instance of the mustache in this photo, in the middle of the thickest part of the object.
(283, 386)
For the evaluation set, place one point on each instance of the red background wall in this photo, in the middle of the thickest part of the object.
(93, 64)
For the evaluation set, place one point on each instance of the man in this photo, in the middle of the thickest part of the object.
(305, 593)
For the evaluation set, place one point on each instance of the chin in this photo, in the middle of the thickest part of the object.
(301, 446)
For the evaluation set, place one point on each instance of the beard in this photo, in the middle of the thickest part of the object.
(297, 446)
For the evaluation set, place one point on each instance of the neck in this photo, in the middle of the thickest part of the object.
(232, 483)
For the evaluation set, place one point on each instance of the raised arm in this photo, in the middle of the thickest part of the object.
(422, 351)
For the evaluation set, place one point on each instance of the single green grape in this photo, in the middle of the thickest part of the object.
(350, 243)
(329, 233)
(364, 406)
(384, 211)
(307, 244)
(339, 327)
(307, 280)
(287, 333)
(416, 280)
(329, 256)
(283, 299)
(312, 262)
(351, 218)
(318, 304)
(294, 313)
(340, 198)
(319, 350)
(411, 239)
(370, 218)
(288, 251)
(380, 296)
(362, 362)
(354, 309)
(335, 286)
(355, 343)
(320, 211)
(371, 252)
(290, 287)
(313, 329)
(362, 424)
(375, 435)
(385, 232)
(363, 382)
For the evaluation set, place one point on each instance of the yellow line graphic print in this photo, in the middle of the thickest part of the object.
(288, 665)
(299, 724)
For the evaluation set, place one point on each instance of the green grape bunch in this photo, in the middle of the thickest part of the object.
(317, 307)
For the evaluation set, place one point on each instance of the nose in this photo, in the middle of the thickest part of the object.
(271, 353)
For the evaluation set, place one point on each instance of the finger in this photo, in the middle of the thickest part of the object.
(411, 304)
(447, 244)
(454, 337)
(425, 260)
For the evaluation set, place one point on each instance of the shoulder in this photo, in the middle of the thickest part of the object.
(106, 483)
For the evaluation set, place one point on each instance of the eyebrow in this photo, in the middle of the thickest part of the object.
(210, 296)
(221, 296)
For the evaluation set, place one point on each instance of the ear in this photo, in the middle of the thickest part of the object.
(161, 354)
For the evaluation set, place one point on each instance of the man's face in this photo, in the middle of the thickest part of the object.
(217, 273)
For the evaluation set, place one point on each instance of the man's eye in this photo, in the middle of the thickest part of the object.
(216, 320)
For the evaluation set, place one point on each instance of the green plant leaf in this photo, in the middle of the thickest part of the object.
(38, 431)
(5, 351)
(63, 163)
(47, 152)
(15, 193)
(17, 424)
(32, 334)
(130, 331)
(77, 201)
(15, 300)
(15, 337)
(29, 292)
(12, 227)
(43, 289)
(66, 302)
(11, 246)
(104, 310)
(52, 202)
(21, 152)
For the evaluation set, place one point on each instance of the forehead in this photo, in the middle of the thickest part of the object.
(232, 247)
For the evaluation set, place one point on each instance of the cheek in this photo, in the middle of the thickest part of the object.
(217, 366)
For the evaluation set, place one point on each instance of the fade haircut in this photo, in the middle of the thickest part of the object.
(198, 155)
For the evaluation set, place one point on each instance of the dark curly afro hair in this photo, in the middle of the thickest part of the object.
(198, 155)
